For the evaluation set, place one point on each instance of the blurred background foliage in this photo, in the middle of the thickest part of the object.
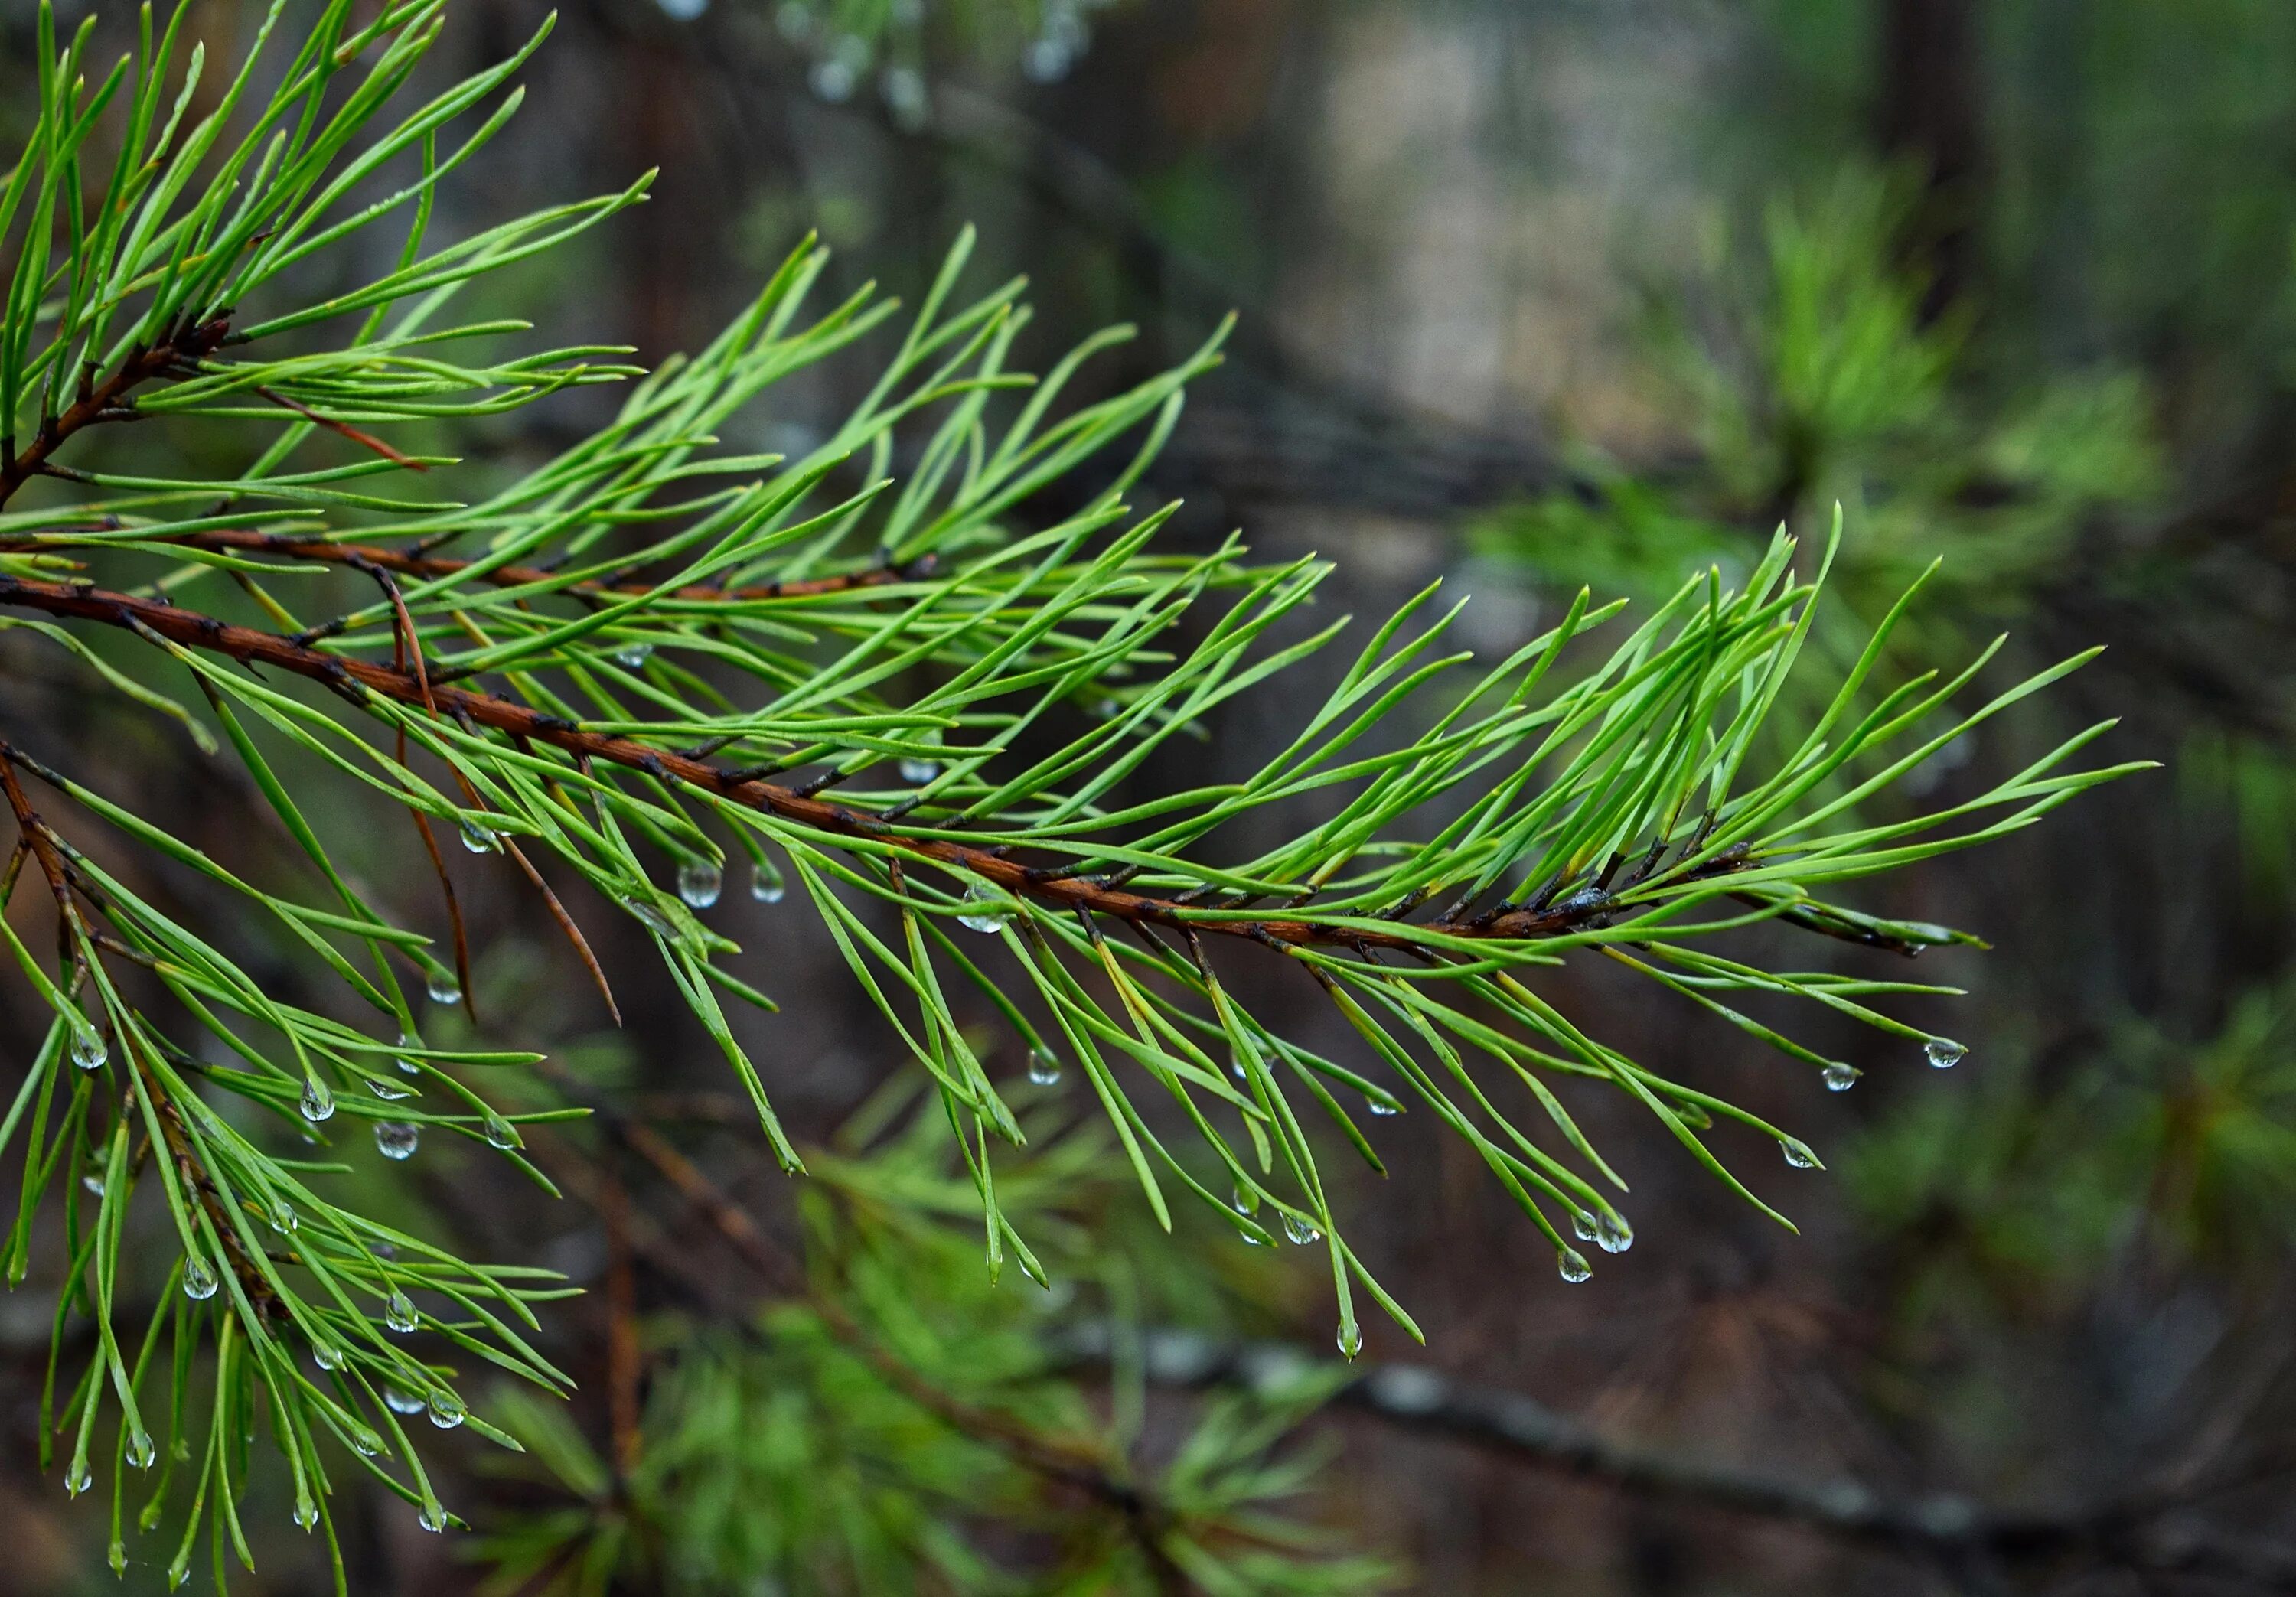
(1536, 293)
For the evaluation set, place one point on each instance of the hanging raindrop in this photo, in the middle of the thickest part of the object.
(1298, 1231)
(365, 1443)
(631, 657)
(501, 1134)
(1611, 1234)
(1351, 1338)
(200, 1282)
(1798, 1153)
(318, 1103)
(981, 893)
(87, 1049)
(398, 1313)
(1379, 1105)
(282, 1217)
(397, 1139)
(1044, 1065)
(1252, 1238)
(92, 1178)
(306, 1514)
(402, 1403)
(478, 840)
(1943, 1053)
(1582, 1226)
(389, 1092)
(766, 884)
(432, 1517)
(443, 989)
(1243, 1199)
(1840, 1078)
(327, 1355)
(140, 1451)
(700, 881)
(78, 1479)
(916, 772)
(904, 88)
(1572, 1266)
(447, 1410)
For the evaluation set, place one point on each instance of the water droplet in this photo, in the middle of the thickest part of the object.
(92, 1178)
(1379, 1105)
(1840, 1078)
(389, 1092)
(382, 1251)
(766, 884)
(832, 80)
(318, 1103)
(981, 893)
(1572, 1266)
(142, 1453)
(398, 1313)
(365, 1443)
(432, 1517)
(200, 1282)
(443, 989)
(700, 881)
(118, 1557)
(282, 1217)
(479, 839)
(904, 88)
(632, 657)
(1243, 1199)
(650, 917)
(501, 1134)
(307, 1512)
(1300, 1231)
(1351, 1338)
(327, 1355)
(1798, 1153)
(917, 773)
(1044, 1065)
(447, 1410)
(1611, 1234)
(1252, 1238)
(77, 1477)
(1944, 1053)
(87, 1049)
(1582, 1226)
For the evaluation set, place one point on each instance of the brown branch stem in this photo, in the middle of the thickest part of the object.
(107, 400)
(1081, 893)
(231, 540)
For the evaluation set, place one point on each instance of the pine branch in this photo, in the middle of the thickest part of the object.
(991, 861)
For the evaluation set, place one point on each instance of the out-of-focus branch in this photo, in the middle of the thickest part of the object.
(1082, 1467)
(2152, 1534)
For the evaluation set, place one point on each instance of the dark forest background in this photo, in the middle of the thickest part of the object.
(1533, 293)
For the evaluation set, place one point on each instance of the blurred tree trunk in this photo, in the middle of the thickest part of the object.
(1930, 112)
